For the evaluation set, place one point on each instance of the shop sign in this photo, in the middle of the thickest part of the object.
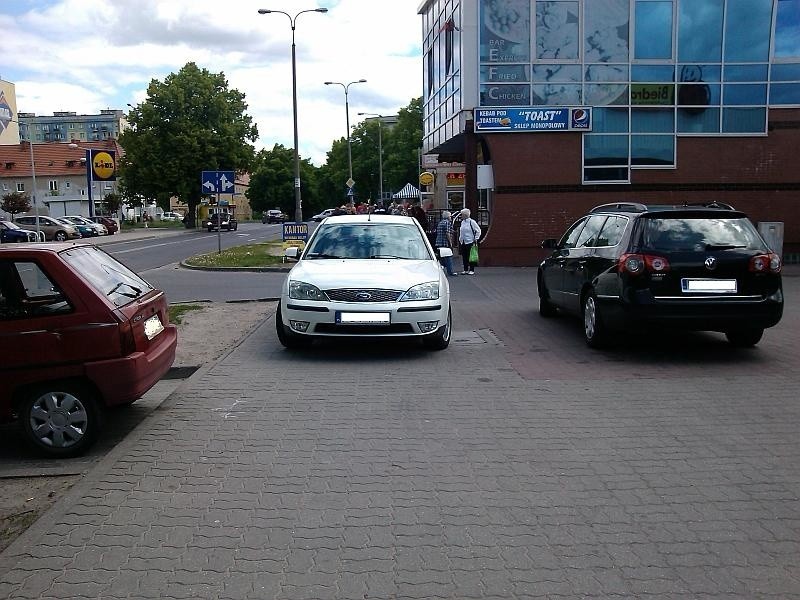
(540, 118)
(425, 178)
(455, 179)
(652, 94)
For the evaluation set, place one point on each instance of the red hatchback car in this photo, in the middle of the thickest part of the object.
(79, 332)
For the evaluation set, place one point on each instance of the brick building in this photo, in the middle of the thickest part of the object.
(574, 103)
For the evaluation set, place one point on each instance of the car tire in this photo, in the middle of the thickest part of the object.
(441, 339)
(744, 338)
(60, 236)
(210, 229)
(235, 227)
(287, 338)
(60, 419)
(594, 329)
(546, 308)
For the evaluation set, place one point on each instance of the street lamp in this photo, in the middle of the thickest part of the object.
(380, 148)
(298, 200)
(89, 166)
(346, 88)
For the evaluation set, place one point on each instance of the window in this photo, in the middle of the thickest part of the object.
(747, 29)
(557, 30)
(588, 236)
(570, 238)
(700, 31)
(20, 187)
(53, 185)
(612, 231)
(787, 29)
(653, 24)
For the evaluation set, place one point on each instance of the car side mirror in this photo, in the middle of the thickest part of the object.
(292, 252)
(550, 244)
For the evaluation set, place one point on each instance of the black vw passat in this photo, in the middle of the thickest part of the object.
(628, 266)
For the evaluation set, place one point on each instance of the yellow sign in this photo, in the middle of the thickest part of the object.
(103, 165)
(425, 178)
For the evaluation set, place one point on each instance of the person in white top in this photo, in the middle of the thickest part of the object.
(469, 233)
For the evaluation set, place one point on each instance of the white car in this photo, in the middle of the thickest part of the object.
(366, 276)
(171, 216)
(81, 220)
(325, 213)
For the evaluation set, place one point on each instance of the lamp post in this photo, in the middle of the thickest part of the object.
(298, 199)
(346, 88)
(380, 149)
(89, 166)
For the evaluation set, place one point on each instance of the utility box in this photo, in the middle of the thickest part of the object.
(772, 232)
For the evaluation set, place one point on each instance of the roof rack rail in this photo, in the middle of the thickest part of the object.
(621, 206)
(713, 204)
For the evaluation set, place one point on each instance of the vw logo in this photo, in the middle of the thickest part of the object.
(711, 263)
(363, 296)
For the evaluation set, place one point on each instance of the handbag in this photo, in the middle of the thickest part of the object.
(473, 250)
(473, 254)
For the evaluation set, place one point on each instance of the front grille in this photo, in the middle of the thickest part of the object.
(357, 295)
(366, 330)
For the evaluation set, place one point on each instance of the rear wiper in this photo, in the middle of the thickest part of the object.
(723, 246)
(322, 255)
(136, 294)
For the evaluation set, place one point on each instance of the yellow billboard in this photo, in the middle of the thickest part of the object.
(9, 128)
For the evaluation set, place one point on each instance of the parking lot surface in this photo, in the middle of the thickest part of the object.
(516, 464)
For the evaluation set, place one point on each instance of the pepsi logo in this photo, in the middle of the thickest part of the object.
(580, 115)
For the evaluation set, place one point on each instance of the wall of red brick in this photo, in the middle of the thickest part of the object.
(538, 192)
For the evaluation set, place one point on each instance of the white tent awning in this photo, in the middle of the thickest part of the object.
(409, 191)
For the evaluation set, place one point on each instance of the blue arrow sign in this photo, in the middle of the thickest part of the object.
(218, 182)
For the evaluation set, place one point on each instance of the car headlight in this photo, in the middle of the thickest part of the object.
(423, 291)
(299, 290)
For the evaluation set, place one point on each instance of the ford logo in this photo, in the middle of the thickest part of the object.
(711, 263)
(363, 296)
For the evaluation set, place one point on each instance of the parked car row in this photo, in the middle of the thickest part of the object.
(24, 228)
(10, 232)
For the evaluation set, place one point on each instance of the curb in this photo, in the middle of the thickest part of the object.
(280, 269)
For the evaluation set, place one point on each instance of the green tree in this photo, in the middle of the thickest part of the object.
(189, 123)
(272, 182)
(15, 202)
(112, 202)
(401, 149)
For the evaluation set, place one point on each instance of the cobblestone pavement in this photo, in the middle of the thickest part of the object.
(515, 464)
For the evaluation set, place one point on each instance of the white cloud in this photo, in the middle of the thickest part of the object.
(87, 55)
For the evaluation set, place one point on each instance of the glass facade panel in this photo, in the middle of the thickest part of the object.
(505, 95)
(652, 120)
(700, 31)
(787, 29)
(698, 73)
(786, 72)
(605, 150)
(606, 31)
(747, 29)
(784, 93)
(653, 27)
(602, 73)
(652, 73)
(606, 174)
(602, 94)
(505, 31)
(505, 73)
(743, 94)
(547, 73)
(610, 120)
(744, 120)
(557, 94)
(746, 73)
(692, 120)
(652, 94)
(698, 94)
(557, 30)
(653, 150)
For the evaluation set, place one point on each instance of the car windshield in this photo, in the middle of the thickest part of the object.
(368, 240)
(9, 225)
(108, 276)
(700, 234)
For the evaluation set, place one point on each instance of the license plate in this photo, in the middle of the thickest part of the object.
(152, 327)
(709, 286)
(363, 318)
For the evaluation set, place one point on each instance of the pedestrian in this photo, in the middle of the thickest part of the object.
(418, 213)
(468, 234)
(444, 239)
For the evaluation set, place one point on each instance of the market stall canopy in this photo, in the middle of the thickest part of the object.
(409, 191)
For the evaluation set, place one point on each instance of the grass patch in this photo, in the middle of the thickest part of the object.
(178, 311)
(249, 255)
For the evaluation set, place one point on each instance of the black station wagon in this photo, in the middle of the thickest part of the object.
(629, 266)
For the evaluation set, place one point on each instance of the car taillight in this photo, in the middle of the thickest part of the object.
(636, 264)
(765, 263)
(126, 338)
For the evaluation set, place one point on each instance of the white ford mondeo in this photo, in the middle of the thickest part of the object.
(366, 276)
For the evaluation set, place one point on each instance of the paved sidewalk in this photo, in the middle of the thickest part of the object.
(373, 471)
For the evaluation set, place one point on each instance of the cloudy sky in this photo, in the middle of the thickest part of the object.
(87, 55)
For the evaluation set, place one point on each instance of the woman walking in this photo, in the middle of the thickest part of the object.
(468, 234)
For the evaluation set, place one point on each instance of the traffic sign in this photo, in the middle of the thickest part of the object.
(350, 182)
(350, 192)
(218, 182)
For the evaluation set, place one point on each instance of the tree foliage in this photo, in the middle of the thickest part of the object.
(272, 182)
(112, 202)
(189, 123)
(15, 202)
